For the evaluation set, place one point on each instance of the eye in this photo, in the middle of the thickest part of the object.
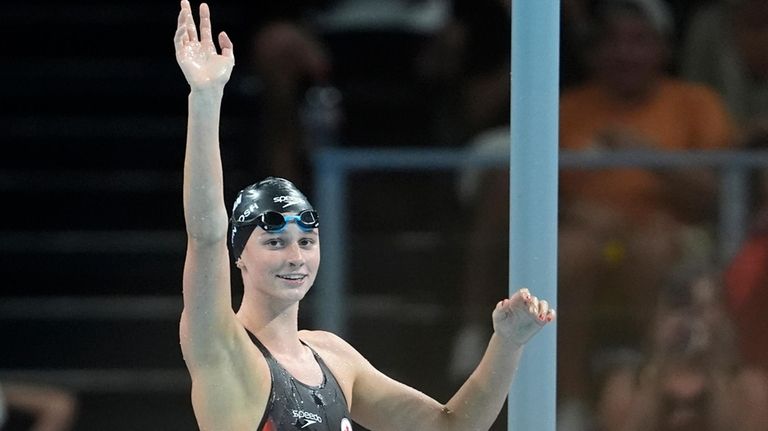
(274, 242)
(307, 242)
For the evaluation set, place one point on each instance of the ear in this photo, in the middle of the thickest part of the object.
(239, 263)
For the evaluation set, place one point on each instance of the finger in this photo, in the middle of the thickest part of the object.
(525, 294)
(501, 305)
(543, 309)
(521, 298)
(551, 314)
(206, 36)
(227, 49)
(182, 19)
(533, 306)
(189, 22)
(180, 38)
(181, 27)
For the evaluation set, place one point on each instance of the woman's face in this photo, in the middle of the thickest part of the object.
(281, 265)
(630, 56)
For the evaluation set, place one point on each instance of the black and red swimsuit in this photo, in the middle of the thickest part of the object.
(294, 405)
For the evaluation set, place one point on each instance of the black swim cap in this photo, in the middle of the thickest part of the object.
(270, 194)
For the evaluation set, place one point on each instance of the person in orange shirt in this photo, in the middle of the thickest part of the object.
(622, 229)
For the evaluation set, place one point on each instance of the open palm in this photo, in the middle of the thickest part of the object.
(202, 65)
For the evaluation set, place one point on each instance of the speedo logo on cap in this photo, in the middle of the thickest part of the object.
(287, 200)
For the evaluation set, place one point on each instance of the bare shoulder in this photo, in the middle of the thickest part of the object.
(330, 343)
(345, 363)
(343, 359)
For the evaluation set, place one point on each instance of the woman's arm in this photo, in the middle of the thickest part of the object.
(207, 305)
(381, 403)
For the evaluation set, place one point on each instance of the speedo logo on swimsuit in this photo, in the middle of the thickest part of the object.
(310, 418)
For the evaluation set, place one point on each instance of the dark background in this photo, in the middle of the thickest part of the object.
(92, 238)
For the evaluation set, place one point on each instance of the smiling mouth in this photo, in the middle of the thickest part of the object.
(293, 277)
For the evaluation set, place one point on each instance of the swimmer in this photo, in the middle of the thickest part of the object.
(254, 369)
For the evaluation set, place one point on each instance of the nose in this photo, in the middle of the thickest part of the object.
(295, 256)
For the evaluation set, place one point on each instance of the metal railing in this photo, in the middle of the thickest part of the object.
(332, 166)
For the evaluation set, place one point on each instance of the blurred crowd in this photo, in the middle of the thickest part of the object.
(651, 344)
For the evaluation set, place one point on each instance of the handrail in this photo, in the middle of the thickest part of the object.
(332, 165)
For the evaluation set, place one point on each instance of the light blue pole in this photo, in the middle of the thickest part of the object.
(331, 287)
(533, 199)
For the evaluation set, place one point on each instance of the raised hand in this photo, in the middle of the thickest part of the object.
(520, 317)
(202, 65)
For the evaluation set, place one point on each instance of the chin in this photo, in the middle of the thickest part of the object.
(291, 293)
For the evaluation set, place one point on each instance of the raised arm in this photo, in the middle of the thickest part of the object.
(381, 403)
(207, 304)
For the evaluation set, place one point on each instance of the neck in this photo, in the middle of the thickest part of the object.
(274, 323)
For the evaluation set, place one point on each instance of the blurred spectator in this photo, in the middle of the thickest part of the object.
(484, 197)
(483, 193)
(36, 408)
(450, 57)
(287, 56)
(725, 47)
(574, 29)
(747, 282)
(691, 377)
(746, 277)
(467, 62)
(622, 229)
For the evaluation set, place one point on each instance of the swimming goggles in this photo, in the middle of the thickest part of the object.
(275, 222)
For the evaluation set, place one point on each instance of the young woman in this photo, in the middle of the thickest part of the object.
(254, 369)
